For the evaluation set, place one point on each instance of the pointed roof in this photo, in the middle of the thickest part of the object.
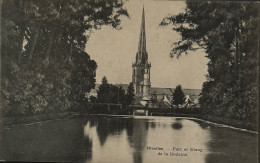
(141, 56)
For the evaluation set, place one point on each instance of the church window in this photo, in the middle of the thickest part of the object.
(142, 71)
(134, 71)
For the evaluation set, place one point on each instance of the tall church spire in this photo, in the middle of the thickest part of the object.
(141, 67)
(141, 56)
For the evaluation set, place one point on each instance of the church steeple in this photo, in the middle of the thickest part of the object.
(141, 56)
(141, 67)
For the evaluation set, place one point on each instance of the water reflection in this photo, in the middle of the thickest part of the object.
(108, 139)
(58, 140)
(138, 139)
(127, 139)
(177, 125)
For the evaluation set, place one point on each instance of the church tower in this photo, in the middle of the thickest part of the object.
(141, 67)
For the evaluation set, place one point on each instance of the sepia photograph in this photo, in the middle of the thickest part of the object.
(129, 81)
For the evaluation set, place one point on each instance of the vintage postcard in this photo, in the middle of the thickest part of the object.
(129, 81)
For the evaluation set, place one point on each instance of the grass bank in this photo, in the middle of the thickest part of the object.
(220, 120)
(8, 121)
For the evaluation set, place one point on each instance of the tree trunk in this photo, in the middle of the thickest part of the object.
(21, 44)
(51, 37)
(71, 48)
(68, 58)
(237, 52)
(70, 51)
(35, 39)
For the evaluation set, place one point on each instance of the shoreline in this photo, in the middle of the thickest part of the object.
(218, 121)
(221, 121)
(23, 120)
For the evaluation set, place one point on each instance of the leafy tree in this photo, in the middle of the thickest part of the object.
(178, 96)
(228, 33)
(113, 94)
(121, 95)
(109, 93)
(44, 64)
(130, 94)
(103, 91)
(82, 78)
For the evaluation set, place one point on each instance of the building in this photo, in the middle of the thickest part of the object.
(162, 95)
(141, 67)
(145, 94)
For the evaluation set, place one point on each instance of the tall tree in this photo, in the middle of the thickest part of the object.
(82, 78)
(130, 94)
(121, 95)
(178, 96)
(103, 91)
(228, 33)
(109, 93)
(44, 47)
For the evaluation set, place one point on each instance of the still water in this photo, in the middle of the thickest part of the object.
(113, 139)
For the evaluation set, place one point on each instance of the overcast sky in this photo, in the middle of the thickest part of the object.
(115, 50)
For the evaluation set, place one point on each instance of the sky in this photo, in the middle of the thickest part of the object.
(115, 50)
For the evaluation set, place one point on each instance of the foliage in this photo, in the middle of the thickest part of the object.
(103, 91)
(130, 94)
(82, 79)
(178, 96)
(109, 93)
(228, 32)
(44, 64)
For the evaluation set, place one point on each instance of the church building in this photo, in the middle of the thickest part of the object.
(141, 67)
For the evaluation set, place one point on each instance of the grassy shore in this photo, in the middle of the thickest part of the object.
(220, 120)
(8, 121)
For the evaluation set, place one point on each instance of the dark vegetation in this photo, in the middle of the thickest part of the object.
(45, 68)
(228, 32)
(178, 96)
(109, 94)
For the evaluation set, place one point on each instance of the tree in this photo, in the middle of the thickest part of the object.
(109, 93)
(228, 33)
(178, 96)
(44, 64)
(103, 91)
(121, 95)
(82, 78)
(130, 94)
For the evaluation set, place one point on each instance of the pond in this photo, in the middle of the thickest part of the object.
(116, 139)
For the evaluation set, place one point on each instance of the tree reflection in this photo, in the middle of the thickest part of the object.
(58, 141)
(177, 125)
(202, 124)
(109, 125)
(137, 138)
(87, 148)
(152, 125)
